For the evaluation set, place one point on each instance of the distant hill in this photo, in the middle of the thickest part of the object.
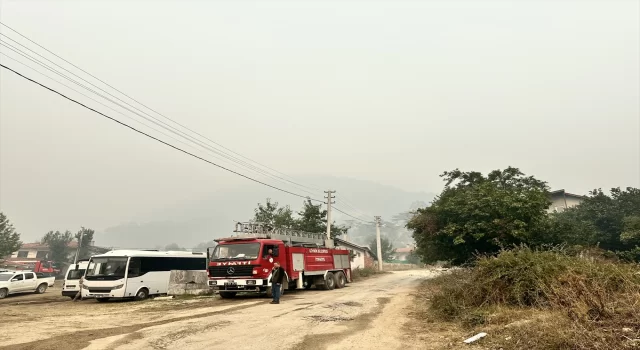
(212, 216)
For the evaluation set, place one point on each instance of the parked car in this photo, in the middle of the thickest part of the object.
(71, 285)
(23, 282)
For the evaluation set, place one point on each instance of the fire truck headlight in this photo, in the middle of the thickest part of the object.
(84, 286)
(118, 286)
(213, 283)
(255, 272)
(251, 282)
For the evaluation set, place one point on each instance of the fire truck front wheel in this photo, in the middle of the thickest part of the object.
(227, 295)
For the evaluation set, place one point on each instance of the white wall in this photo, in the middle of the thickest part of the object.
(358, 260)
(558, 203)
(31, 255)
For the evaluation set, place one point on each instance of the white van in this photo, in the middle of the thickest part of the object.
(136, 274)
(71, 285)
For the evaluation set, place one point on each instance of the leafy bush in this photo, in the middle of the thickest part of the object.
(363, 272)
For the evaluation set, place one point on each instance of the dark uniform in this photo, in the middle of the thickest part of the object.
(277, 277)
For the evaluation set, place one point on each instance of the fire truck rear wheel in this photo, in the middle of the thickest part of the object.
(227, 295)
(341, 280)
(330, 281)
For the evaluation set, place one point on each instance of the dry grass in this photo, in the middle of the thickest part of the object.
(541, 300)
(362, 273)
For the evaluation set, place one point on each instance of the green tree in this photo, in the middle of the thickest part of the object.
(413, 258)
(631, 230)
(479, 214)
(58, 243)
(85, 244)
(385, 244)
(9, 238)
(274, 215)
(611, 222)
(312, 218)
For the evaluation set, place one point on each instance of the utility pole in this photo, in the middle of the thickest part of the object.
(329, 198)
(377, 218)
(79, 246)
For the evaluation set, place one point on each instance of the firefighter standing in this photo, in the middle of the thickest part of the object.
(277, 277)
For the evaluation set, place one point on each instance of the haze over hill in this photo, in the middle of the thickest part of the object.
(394, 92)
(189, 223)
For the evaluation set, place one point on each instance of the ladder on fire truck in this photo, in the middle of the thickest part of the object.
(289, 236)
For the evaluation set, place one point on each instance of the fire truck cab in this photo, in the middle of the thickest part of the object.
(244, 263)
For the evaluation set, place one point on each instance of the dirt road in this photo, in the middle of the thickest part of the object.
(370, 314)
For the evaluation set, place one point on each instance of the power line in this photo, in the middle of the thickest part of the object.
(154, 121)
(23, 54)
(142, 104)
(164, 125)
(368, 222)
(96, 101)
(157, 139)
(358, 211)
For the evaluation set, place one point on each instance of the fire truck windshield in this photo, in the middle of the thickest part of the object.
(236, 251)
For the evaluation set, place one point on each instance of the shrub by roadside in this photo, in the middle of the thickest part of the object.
(541, 300)
(361, 273)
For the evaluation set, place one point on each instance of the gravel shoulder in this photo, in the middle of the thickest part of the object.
(369, 314)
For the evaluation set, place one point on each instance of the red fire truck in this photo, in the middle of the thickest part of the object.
(40, 266)
(243, 263)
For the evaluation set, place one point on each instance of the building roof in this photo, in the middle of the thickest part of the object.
(563, 192)
(42, 246)
(342, 242)
(404, 250)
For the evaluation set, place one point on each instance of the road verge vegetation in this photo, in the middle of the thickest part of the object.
(363, 273)
(525, 298)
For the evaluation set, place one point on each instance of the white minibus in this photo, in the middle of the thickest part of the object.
(136, 273)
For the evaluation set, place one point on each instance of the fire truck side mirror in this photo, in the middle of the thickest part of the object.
(77, 267)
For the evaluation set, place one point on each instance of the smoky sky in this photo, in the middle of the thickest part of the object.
(394, 92)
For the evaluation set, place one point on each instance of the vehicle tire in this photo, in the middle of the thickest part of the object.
(341, 280)
(42, 288)
(329, 281)
(102, 300)
(227, 295)
(142, 294)
(3, 293)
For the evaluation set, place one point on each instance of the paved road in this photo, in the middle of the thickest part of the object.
(371, 314)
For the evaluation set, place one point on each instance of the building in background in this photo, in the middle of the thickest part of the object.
(361, 256)
(562, 200)
(402, 254)
(35, 252)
